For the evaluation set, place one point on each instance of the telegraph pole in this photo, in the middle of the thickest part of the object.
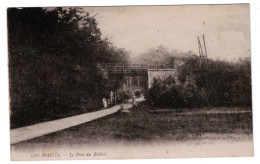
(205, 51)
(199, 50)
(203, 60)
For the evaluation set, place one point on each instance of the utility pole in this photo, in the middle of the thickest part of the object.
(205, 51)
(203, 60)
(199, 50)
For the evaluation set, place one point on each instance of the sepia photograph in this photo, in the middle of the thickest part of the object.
(130, 82)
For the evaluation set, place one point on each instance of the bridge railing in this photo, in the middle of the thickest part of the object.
(136, 66)
(111, 66)
(119, 67)
(122, 67)
(144, 66)
(128, 67)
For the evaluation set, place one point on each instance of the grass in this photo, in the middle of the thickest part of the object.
(141, 126)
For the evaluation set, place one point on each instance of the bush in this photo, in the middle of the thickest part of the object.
(222, 84)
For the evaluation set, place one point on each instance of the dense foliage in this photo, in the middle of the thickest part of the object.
(221, 84)
(53, 57)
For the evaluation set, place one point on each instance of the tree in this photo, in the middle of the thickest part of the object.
(160, 56)
(222, 84)
(53, 57)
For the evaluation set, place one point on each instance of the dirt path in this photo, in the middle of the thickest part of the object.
(37, 130)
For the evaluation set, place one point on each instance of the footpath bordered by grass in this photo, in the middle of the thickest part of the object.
(141, 126)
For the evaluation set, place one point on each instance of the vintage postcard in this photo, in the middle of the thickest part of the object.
(130, 82)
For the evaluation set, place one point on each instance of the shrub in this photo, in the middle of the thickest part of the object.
(221, 84)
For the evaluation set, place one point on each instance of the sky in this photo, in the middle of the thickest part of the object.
(138, 28)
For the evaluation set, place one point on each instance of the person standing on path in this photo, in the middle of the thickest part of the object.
(133, 100)
(104, 103)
